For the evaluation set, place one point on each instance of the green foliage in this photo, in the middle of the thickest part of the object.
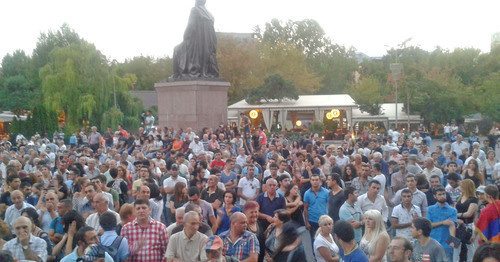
(274, 88)
(147, 70)
(112, 118)
(368, 95)
(489, 96)
(40, 120)
(317, 127)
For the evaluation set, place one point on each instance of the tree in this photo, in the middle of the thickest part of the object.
(489, 95)
(274, 88)
(148, 70)
(368, 95)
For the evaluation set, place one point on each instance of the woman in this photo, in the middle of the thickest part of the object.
(467, 207)
(149, 148)
(299, 165)
(72, 221)
(60, 187)
(290, 246)
(349, 174)
(274, 231)
(325, 248)
(295, 149)
(177, 144)
(225, 212)
(294, 204)
(36, 231)
(472, 173)
(400, 144)
(127, 215)
(488, 168)
(119, 183)
(178, 199)
(251, 210)
(375, 241)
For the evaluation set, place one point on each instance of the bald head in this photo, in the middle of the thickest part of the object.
(237, 216)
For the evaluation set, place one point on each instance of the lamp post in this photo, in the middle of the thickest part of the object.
(396, 69)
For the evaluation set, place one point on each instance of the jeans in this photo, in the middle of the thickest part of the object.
(449, 254)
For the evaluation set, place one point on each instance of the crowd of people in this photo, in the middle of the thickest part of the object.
(241, 195)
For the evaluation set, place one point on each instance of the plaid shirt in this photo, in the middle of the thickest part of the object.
(36, 244)
(242, 248)
(156, 237)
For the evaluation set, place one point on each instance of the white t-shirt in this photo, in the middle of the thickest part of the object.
(248, 187)
(320, 241)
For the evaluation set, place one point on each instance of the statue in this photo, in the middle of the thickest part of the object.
(195, 57)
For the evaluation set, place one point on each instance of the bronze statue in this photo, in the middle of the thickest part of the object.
(195, 57)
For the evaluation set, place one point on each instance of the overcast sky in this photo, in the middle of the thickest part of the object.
(124, 29)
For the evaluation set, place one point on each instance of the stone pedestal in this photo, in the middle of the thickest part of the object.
(194, 104)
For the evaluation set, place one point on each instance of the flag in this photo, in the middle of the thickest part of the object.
(488, 223)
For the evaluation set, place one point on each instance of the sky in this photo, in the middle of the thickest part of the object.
(124, 29)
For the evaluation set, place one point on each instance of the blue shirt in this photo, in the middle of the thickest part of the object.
(72, 140)
(107, 239)
(355, 256)
(73, 257)
(436, 213)
(317, 204)
(57, 225)
(348, 213)
(268, 206)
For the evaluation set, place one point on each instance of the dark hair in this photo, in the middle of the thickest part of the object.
(11, 178)
(354, 173)
(193, 191)
(335, 177)
(80, 234)
(349, 190)
(282, 215)
(107, 221)
(80, 168)
(289, 234)
(283, 177)
(113, 172)
(154, 191)
(25, 184)
(487, 250)
(491, 190)
(66, 203)
(453, 177)
(374, 182)
(406, 191)
(424, 224)
(377, 166)
(344, 231)
(76, 171)
(6, 256)
(438, 189)
(32, 214)
(141, 201)
(232, 193)
(191, 207)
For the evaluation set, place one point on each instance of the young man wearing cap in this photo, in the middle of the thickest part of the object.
(169, 184)
(483, 202)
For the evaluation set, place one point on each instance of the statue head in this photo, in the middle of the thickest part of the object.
(200, 2)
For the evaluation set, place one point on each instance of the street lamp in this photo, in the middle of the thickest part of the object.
(396, 69)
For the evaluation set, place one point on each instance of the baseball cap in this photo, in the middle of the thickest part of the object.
(480, 189)
(174, 166)
(214, 242)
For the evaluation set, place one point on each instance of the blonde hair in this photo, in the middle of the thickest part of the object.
(468, 188)
(323, 219)
(379, 227)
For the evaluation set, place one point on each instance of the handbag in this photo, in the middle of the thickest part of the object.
(463, 233)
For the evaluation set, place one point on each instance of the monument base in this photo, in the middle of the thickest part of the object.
(195, 104)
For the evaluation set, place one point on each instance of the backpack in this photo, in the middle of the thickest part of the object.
(112, 250)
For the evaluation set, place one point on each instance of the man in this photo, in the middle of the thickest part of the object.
(147, 238)
(453, 187)
(283, 182)
(443, 218)
(14, 211)
(245, 123)
(188, 244)
(170, 182)
(419, 198)
(204, 228)
(361, 182)
(91, 170)
(179, 219)
(349, 251)
(25, 246)
(487, 225)
(108, 223)
(94, 139)
(412, 165)
(241, 159)
(228, 176)
(100, 182)
(373, 200)
(213, 194)
(13, 183)
(143, 176)
(194, 197)
(315, 204)
(62, 169)
(238, 242)
(84, 206)
(400, 249)
(435, 182)
(149, 121)
(195, 148)
(341, 160)
(458, 145)
(377, 175)
(46, 209)
(248, 187)
(431, 169)
(306, 175)
(85, 237)
(425, 248)
(403, 215)
(351, 213)
(101, 206)
(331, 166)
(269, 201)
(481, 197)
(56, 230)
(145, 192)
(283, 169)
(336, 195)
(262, 137)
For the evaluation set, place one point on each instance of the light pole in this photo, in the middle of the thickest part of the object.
(396, 69)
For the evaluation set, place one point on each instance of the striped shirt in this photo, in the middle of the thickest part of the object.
(241, 248)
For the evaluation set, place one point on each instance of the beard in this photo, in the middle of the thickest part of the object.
(442, 201)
